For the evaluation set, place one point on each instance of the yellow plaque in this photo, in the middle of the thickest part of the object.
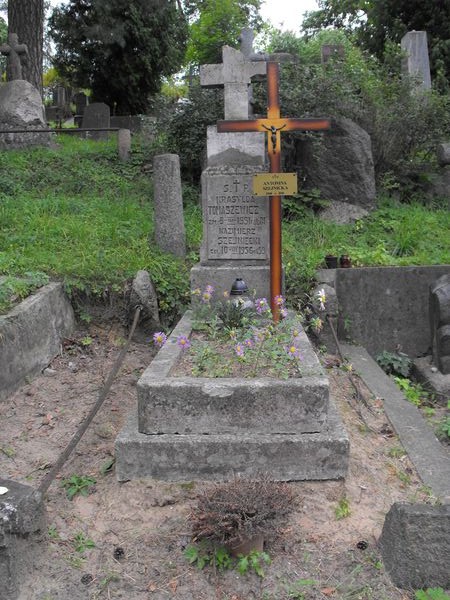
(274, 184)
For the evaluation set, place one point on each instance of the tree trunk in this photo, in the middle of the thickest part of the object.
(26, 18)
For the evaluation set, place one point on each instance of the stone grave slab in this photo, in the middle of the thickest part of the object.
(192, 428)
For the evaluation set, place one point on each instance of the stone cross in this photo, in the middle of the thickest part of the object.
(15, 52)
(273, 125)
(235, 75)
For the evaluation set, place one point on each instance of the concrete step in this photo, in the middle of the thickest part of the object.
(286, 457)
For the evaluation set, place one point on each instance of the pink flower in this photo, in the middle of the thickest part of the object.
(239, 349)
(261, 306)
(279, 300)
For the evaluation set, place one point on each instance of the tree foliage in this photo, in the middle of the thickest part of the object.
(404, 127)
(216, 23)
(375, 23)
(120, 49)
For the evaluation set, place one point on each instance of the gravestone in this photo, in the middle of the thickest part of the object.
(170, 233)
(235, 222)
(21, 108)
(96, 115)
(340, 165)
(81, 101)
(124, 144)
(440, 323)
(416, 62)
(332, 51)
(16, 53)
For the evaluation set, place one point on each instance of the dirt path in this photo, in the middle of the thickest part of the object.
(139, 529)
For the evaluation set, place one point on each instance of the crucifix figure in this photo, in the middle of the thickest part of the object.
(273, 125)
(15, 53)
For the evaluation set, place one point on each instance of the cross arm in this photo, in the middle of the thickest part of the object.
(279, 124)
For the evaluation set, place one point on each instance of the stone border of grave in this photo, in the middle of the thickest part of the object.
(204, 429)
(415, 540)
(31, 334)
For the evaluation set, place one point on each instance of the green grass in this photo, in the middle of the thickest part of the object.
(79, 215)
(394, 234)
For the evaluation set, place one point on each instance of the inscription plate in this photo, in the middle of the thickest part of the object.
(274, 184)
(237, 221)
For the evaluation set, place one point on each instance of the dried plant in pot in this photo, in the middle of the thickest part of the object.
(242, 513)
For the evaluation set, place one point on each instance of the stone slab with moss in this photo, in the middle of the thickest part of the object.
(198, 428)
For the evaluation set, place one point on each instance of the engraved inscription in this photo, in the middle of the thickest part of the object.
(237, 220)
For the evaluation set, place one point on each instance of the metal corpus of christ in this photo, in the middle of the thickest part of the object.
(274, 125)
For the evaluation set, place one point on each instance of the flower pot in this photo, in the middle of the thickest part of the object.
(331, 261)
(246, 545)
(345, 262)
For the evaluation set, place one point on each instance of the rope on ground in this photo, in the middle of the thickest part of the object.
(48, 479)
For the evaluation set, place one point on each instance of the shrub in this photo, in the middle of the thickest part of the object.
(231, 512)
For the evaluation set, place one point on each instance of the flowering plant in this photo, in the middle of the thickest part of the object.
(241, 340)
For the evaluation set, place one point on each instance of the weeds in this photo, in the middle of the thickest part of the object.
(431, 594)
(221, 560)
(342, 509)
(77, 484)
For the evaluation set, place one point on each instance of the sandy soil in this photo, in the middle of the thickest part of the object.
(140, 528)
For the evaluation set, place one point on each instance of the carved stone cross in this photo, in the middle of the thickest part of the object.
(15, 53)
(235, 75)
(273, 125)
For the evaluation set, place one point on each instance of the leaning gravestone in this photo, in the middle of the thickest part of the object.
(96, 115)
(235, 222)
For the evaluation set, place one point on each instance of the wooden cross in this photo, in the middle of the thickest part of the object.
(273, 125)
(14, 51)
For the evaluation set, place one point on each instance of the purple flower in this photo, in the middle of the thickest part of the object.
(261, 305)
(183, 342)
(283, 313)
(248, 343)
(209, 290)
(159, 339)
(239, 349)
(293, 351)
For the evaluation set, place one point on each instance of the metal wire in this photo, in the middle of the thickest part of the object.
(48, 479)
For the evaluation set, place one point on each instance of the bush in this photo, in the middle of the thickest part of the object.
(231, 512)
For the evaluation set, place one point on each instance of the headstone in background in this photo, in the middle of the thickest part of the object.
(132, 122)
(170, 233)
(341, 166)
(21, 108)
(124, 144)
(96, 115)
(15, 53)
(235, 222)
(332, 51)
(443, 154)
(81, 101)
(416, 63)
